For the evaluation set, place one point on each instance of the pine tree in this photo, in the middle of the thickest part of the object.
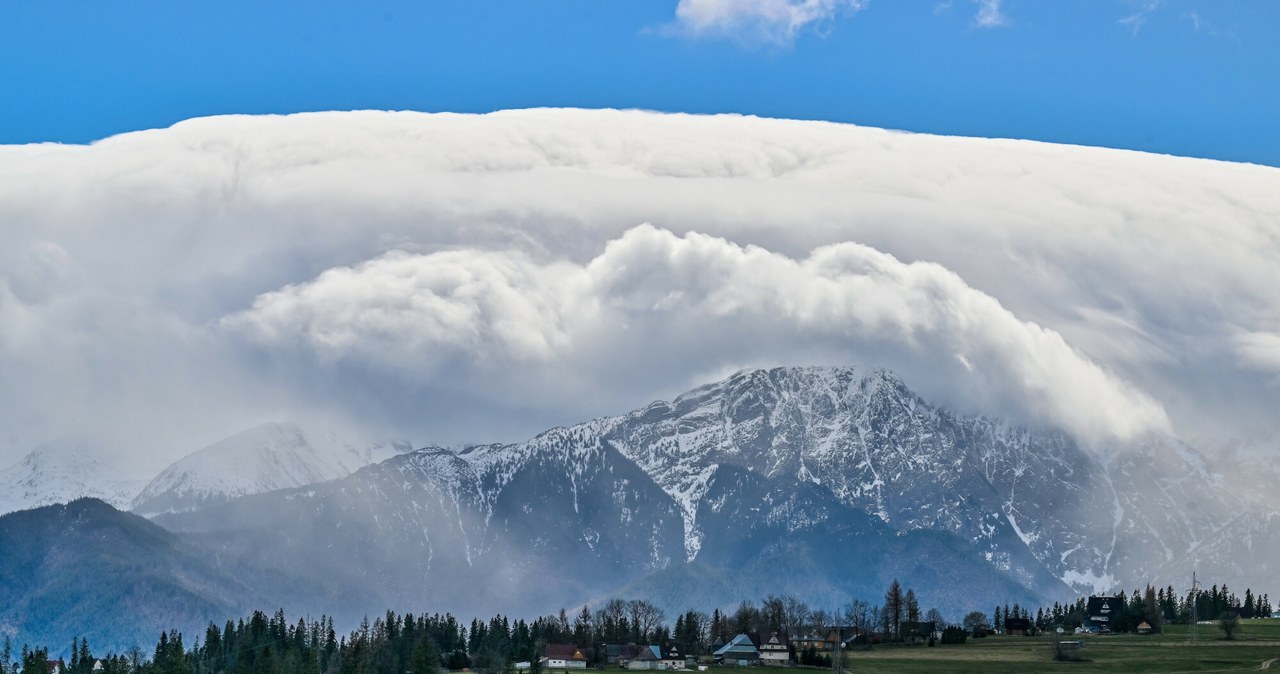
(426, 656)
(893, 608)
(1153, 613)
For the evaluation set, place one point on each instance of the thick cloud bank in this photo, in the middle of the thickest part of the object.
(693, 298)
(480, 277)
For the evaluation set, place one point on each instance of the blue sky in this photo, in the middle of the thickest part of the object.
(1172, 76)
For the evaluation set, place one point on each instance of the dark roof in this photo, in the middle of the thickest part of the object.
(672, 651)
(563, 652)
(623, 651)
(769, 639)
(1101, 605)
(1101, 609)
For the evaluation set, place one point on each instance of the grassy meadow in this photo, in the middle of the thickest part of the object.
(1257, 642)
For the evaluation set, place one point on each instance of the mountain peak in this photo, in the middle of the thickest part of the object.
(266, 457)
(63, 470)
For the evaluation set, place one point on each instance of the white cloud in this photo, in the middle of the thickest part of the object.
(481, 277)
(772, 21)
(1135, 21)
(990, 14)
(663, 295)
(1259, 350)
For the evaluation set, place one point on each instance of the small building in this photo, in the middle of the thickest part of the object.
(1101, 612)
(620, 654)
(55, 667)
(563, 656)
(821, 642)
(671, 657)
(1144, 627)
(647, 658)
(1017, 627)
(740, 651)
(775, 648)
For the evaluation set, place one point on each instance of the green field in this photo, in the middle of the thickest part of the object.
(1257, 643)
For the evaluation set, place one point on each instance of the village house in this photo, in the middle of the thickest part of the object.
(1101, 612)
(775, 649)
(822, 643)
(1017, 627)
(563, 656)
(620, 654)
(665, 657)
(740, 651)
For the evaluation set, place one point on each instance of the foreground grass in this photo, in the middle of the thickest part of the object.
(1257, 642)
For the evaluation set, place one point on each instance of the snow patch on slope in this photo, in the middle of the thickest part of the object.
(263, 458)
(62, 471)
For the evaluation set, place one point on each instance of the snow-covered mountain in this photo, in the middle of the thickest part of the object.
(825, 483)
(772, 468)
(1034, 504)
(1089, 517)
(62, 471)
(263, 458)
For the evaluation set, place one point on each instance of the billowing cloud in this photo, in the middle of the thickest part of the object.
(483, 277)
(652, 290)
(772, 21)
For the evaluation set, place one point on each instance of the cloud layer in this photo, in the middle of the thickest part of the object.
(718, 302)
(461, 277)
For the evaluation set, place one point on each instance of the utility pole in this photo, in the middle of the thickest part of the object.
(837, 658)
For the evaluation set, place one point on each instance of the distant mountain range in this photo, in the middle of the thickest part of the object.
(263, 458)
(825, 483)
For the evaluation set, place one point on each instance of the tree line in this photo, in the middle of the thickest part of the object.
(429, 644)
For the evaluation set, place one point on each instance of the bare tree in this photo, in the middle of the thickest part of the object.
(746, 618)
(795, 614)
(856, 615)
(645, 618)
(818, 620)
(610, 621)
(773, 610)
(934, 616)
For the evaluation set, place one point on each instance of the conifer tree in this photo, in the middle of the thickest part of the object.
(893, 608)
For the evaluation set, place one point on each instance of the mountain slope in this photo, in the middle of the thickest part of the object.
(115, 579)
(63, 471)
(767, 470)
(263, 458)
(826, 483)
(1032, 501)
